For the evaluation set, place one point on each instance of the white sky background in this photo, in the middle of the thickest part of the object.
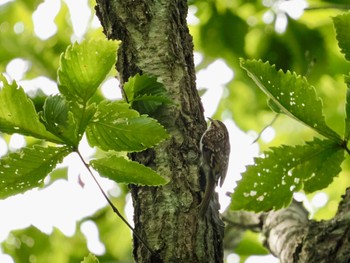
(65, 202)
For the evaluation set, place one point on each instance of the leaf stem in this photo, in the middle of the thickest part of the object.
(114, 208)
(346, 148)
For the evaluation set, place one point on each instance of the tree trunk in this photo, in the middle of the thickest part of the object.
(155, 40)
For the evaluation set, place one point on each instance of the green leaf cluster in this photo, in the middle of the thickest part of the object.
(65, 117)
(281, 171)
(228, 30)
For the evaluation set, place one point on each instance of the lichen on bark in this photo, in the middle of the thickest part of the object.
(155, 40)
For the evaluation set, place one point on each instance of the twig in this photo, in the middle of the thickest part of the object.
(268, 125)
(114, 208)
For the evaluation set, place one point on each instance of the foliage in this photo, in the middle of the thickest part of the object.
(24, 245)
(225, 29)
(19, 41)
(26, 169)
(18, 114)
(272, 180)
(117, 127)
(124, 171)
(67, 116)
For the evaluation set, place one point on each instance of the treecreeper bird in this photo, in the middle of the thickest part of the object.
(215, 153)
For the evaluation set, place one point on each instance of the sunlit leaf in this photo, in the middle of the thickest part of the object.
(116, 127)
(291, 94)
(83, 67)
(342, 25)
(18, 115)
(27, 168)
(82, 116)
(122, 170)
(272, 180)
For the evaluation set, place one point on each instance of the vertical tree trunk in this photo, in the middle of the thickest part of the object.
(155, 40)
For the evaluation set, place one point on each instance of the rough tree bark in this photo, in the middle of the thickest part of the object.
(292, 237)
(155, 40)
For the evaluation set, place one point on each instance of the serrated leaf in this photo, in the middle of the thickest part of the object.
(122, 170)
(321, 169)
(342, 25)
(18, 115)
(116, 127)
(83, 67)
(292, 94)
(145, 93)
(59, 120)
(272, 180)
(27, 168)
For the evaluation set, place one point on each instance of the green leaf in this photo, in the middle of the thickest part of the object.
(27, 168)
(145, 93)
(291, 94)
(116, 127)
(82, 116)
(321, 169)
(83, 67)
(90, 259)
(271, 181)
(122, 170)
(59, 120)
(342, 25)
(18, 115)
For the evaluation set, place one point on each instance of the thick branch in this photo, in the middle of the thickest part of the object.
(293, 238)
(284, 230)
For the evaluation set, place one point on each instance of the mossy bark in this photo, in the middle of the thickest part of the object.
(156, 41)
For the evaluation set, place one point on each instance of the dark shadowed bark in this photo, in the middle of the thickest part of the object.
(155, 40)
